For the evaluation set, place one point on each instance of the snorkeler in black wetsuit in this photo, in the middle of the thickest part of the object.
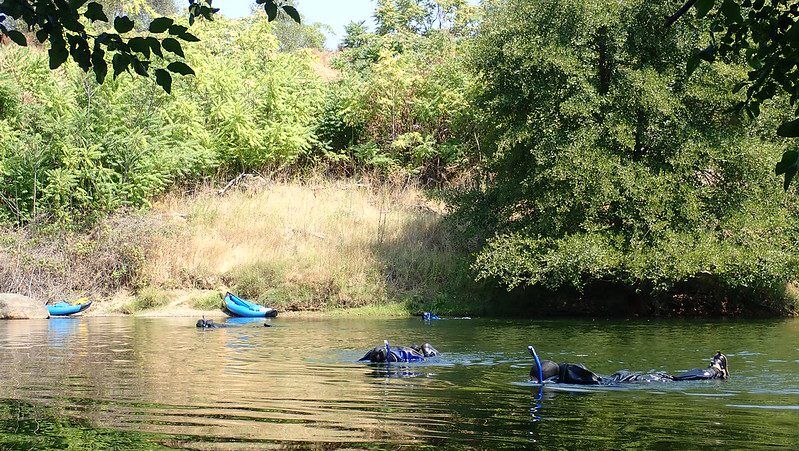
(413, 353)
(210, 324)
(568, 373)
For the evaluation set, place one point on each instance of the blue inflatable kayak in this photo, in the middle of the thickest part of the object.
(65, 308)
(239, 307)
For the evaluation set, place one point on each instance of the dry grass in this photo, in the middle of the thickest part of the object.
(52, 265)
(320, 244)
(311, 245)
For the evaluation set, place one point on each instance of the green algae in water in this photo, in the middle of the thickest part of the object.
(24, 425)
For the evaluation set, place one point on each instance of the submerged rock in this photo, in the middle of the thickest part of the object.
(17, 306)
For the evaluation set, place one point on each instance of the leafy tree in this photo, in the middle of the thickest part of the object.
(83, 31)
(356, 35)
(765, 35)
(294, 36)
(611, 168)
(423, 16)
(404, 101)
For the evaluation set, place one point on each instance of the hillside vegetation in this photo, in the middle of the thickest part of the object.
(547, 157)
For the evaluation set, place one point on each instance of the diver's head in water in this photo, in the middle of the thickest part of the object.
(548, 369)
(719, 363)
(426, 350)
(203, 323)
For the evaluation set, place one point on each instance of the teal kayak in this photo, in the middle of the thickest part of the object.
(237, 306)
(65, 308)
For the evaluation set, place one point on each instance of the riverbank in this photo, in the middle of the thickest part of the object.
(113, 308)
(317, 245)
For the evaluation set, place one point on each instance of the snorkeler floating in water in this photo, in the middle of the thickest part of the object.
(210, 324)
(412, 353)
(568, 373)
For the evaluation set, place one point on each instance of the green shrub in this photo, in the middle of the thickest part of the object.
(207, 301)
(148, 299)
(73, 151)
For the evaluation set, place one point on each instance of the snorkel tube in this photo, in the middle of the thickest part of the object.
(388, 352)
(540, 370)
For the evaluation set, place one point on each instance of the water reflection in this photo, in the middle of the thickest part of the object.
(396, 370)
(61, 330)
(253, 387)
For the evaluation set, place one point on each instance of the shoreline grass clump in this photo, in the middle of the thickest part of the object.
(207, 301)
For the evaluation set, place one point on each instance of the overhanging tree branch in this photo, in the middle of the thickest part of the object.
(680, 12)
(64, 24)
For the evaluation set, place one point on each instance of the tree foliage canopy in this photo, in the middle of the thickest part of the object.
(82, 30)
(612, 165)
(765, 36)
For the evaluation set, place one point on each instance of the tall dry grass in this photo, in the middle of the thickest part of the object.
(295, 245)
(313, 244)
(49, 265)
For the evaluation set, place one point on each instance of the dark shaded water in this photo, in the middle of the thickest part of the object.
(144, 383)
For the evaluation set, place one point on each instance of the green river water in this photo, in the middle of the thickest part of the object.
(130, 383)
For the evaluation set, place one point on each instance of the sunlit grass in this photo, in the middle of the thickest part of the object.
(312, 245)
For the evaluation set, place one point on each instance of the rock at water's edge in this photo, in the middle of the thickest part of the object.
(17, 306)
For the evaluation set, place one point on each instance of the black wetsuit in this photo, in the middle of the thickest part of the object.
(568, 373)
(413, 353)
(565, 373)
(210, 324)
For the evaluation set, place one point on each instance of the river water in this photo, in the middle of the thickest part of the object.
(149, 383)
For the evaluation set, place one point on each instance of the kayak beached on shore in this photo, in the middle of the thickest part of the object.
(64, 308)
(235, 306)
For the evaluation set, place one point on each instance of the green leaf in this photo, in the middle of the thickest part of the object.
(17, 37)
(177, 30)
(703, 7)
(739, 86)
(731, 11)
(120, 63)
(793, 34)
(188, 37)
(789, 129)
(160, 24)
(271, 11)
(72, 23)
(164, 80)
(180, 68)
(42, 35)
(754, 109)
(58, 54)
(693, 63)
(292, 12)
(140, 45)
(140, 67)
(99, 65)
(123, 24)
(79, 49)
(172, 45)
(788, 166)
(94, 12)
(708, 54)
(155, 45)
